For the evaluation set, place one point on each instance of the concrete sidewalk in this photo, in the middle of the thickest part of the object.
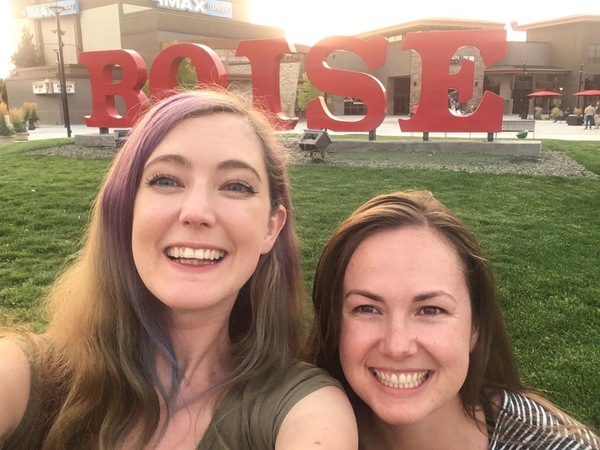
(544, 129)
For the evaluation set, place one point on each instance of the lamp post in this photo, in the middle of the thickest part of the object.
(524, 100)
(580, 82)
(57, 10)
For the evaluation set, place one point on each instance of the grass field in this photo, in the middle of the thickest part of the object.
(542, 234)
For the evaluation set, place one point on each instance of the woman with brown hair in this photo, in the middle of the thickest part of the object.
(407, 318)
(180, 323)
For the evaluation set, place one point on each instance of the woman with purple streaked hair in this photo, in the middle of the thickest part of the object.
(180, 323)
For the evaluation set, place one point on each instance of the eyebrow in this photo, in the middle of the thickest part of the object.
(177, 159)
(182, 161)
(239, 164)
(432, 294)
(419, 298)
(363, 293)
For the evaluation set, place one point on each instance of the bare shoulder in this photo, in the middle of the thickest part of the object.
(14, 386)
(323, 419)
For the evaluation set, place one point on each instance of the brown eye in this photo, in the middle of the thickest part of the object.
(431, 311)
(366, 309)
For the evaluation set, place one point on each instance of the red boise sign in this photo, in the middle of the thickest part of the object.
(436, 50)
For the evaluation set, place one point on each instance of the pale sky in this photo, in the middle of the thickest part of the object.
(307, 21)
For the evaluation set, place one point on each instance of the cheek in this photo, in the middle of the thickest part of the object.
(353, 343)
(454, 352)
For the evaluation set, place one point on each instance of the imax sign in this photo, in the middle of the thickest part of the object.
(208, 7)
(42, 11)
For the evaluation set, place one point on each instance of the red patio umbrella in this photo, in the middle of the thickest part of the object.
(544, 94)
(588, 92)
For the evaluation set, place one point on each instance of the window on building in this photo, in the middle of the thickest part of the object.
(354, 107)
(594, 54)
(492, 84)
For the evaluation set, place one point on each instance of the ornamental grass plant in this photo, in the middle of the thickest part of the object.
(5, 128)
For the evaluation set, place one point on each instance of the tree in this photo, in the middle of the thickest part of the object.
(186, 74)
(3, 94)
(307, 92)
(27, 54)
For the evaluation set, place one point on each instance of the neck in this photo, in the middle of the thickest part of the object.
(203, 352)
(453, 431)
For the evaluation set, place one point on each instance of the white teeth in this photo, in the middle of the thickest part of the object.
(189, 255)
(402, 380)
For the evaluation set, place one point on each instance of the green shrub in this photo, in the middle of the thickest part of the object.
(5, 128)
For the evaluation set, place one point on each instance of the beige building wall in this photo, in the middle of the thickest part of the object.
(130, 9)
(106, 37)
(70, 39)
(289, 74)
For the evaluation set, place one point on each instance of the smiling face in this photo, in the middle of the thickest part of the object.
(406, 330)
(202, 215)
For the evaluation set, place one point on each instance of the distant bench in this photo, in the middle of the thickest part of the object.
(507, 125)
(516, 125)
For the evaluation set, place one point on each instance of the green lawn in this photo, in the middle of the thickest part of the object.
(542, 235)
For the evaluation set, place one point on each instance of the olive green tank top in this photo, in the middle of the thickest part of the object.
(250, 415)
(247, 418)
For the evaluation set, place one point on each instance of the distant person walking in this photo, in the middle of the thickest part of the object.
(597, 115)
(589, 116)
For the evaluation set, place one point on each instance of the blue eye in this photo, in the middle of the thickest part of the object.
(240, 187)
(161, 180)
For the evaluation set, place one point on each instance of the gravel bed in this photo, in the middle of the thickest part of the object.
(550, 163)
(77, 151)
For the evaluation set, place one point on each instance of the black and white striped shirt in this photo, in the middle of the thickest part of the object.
(522, 423)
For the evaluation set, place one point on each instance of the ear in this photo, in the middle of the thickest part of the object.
(274, 226)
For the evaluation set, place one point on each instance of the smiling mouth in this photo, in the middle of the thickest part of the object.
(195, 256)
(401, 380)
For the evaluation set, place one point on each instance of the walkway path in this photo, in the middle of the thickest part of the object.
(544, 129)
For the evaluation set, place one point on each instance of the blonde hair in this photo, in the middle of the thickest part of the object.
(106, 327)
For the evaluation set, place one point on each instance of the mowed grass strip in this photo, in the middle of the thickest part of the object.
(541, 234)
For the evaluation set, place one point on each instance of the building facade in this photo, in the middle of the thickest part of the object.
(145, 26)
(561, 55)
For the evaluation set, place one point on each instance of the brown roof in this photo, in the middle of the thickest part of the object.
(430, 24)
(555, 22)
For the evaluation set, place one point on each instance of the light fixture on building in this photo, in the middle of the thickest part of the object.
(315, 141)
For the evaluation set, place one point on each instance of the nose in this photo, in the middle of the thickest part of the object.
(399, 338)
(197, 207)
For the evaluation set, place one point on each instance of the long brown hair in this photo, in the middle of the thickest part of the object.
(492, 364)
(106, 327)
